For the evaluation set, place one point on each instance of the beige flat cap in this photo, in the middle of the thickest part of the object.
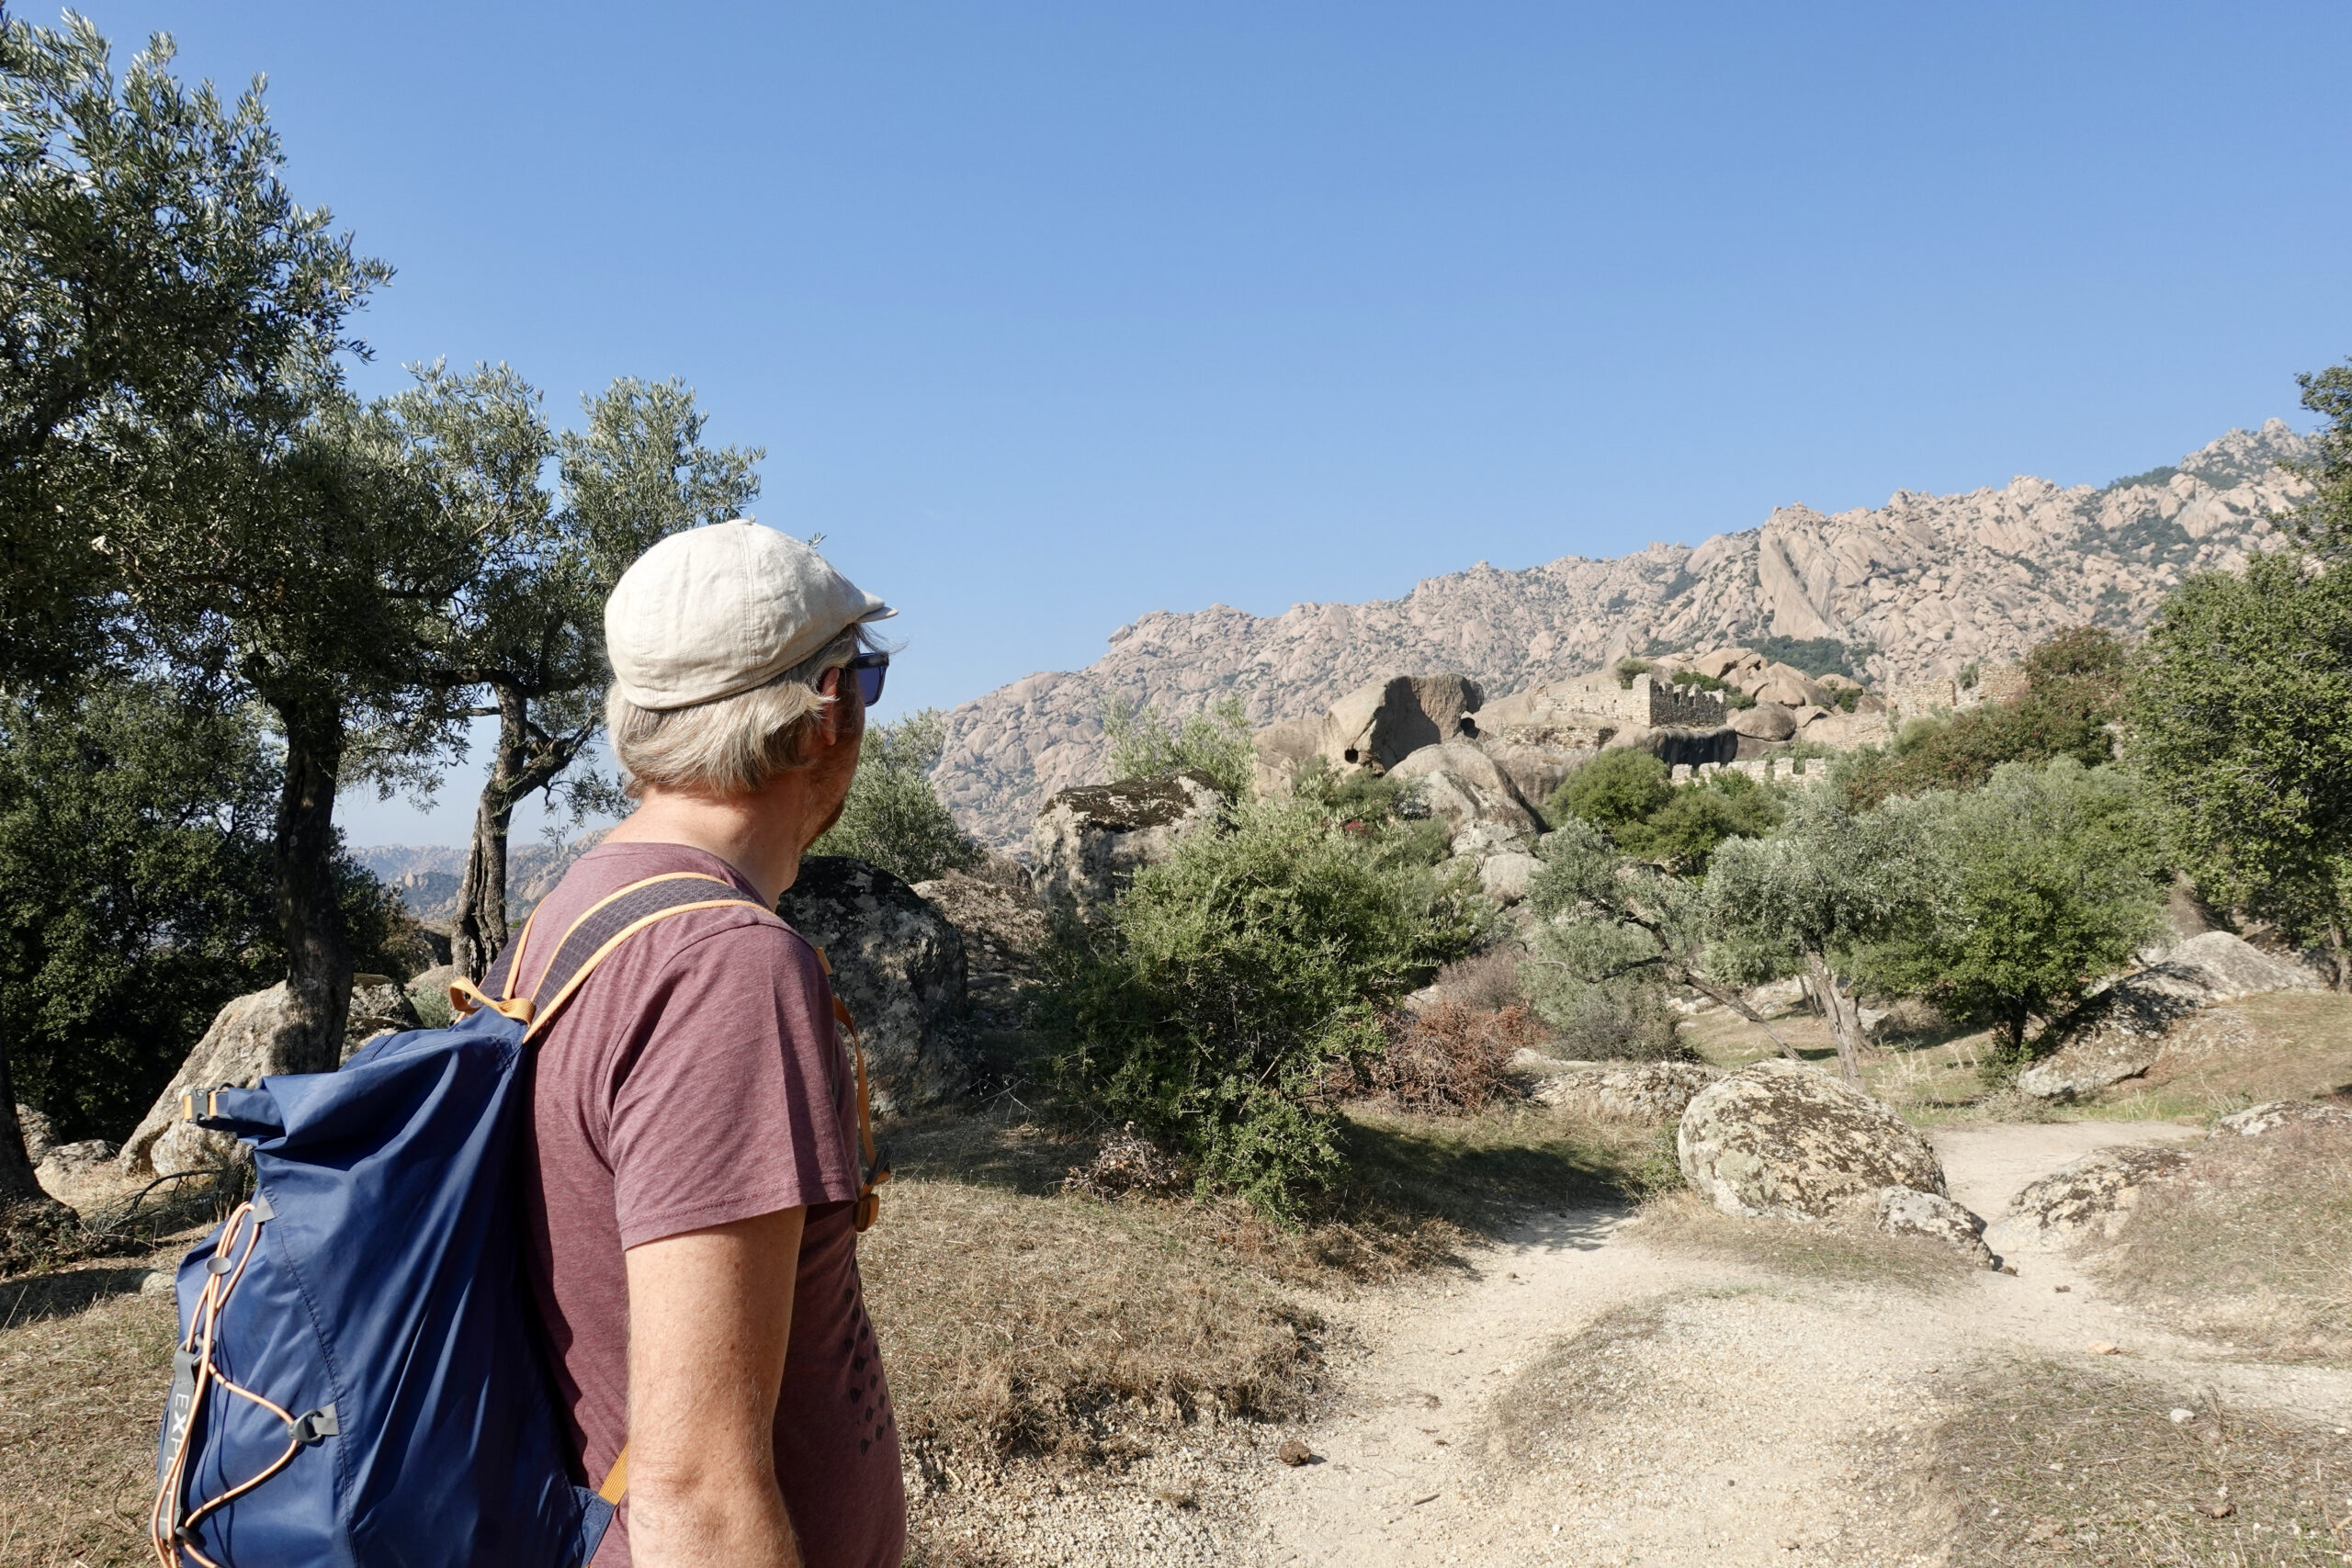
(711, 612)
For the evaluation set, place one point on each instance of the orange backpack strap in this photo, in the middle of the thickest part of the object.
(876, 1160)
(590, 940)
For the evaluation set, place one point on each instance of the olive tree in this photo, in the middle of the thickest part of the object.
(2051, 885)
(1818, 895)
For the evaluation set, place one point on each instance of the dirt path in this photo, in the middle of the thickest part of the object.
(1720, 1416)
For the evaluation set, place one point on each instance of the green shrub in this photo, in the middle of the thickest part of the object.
(1612, 790)
(1627, 668)
(1386, 815)
(893, 818)
(1685, 832)
(1216, 740)
(1230, 981)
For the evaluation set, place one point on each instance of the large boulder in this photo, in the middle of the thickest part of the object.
(1534, 771)
(898, 965)
(1778, 1138)
(251, 1038)
(994, 907)
(1090, 841)
(1764, 721)
(1462, 784)
(1279, 752)
(2091, 1197)
(2125, 1029)
(380, 1005)
(1381, 723)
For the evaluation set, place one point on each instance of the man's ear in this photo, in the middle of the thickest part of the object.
(829, 717)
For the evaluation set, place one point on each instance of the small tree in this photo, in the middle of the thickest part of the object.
(1818, 895)
(1215, 740)
(2053, 884)
(893, 818)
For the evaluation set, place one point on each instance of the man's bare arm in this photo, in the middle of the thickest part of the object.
(710, 1315)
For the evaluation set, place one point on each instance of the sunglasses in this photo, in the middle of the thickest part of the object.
(869, 668)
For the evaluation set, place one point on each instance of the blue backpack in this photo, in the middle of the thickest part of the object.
(360, 1378)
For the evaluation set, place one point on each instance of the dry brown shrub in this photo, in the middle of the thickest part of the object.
(1488, 980)
(1453, 1056)
(2247, 1244)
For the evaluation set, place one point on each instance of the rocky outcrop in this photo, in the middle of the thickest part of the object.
(1778, 1138)
(1089, 842)
(1505, 877)
(1380, 723)
(1901, 1211)
(1279, 753)
(994, 907)
(1935, 584)
(2127, 1028)
(1651, 1093)
(898, 966)
(2090, 1196)
(38, 1138)
(1764, 721)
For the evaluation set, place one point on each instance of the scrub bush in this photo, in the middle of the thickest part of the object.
(1233, 982)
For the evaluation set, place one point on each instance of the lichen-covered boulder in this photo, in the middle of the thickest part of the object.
(898, 964)
(2256, 1120)
(2089, 1197)
(1779, 1139)
(380, 1005)
(1904, 1211)
(1383, 722)
(1090, 841)
(1651, 1093)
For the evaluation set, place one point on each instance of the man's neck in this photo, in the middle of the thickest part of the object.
(760, 835)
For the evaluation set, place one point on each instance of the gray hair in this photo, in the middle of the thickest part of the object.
(730, 746)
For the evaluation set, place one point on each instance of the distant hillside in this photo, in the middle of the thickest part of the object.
(1926, 585)
(427, 875)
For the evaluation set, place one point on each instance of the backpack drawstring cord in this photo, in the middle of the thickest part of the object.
(169, 1530)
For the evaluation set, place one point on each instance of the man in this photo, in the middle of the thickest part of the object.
(693, 1159)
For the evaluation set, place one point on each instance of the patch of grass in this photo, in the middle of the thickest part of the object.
(2297, 1046)
(2047, 1458)
(1539, 1417)
(1067, 1327)
(83, 1364)
(2248, 1245)
(1849, 1252)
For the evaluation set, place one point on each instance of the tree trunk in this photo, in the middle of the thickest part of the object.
(18, 1185)
(2343, 959)
(1844, 1015)
(525, 759)
(308, 913)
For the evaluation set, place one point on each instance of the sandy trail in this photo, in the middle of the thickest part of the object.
(1750, 1421)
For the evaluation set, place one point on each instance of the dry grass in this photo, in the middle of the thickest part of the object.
(2048, 1458)
(1593, 1371)
(1841, 1251)
(84, 1363)
(1069, 1327)
(2249, 1244)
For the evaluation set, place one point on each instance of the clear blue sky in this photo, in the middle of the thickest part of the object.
(1049, 315)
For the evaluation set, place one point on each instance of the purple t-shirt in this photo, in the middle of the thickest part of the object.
(694, 1079)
